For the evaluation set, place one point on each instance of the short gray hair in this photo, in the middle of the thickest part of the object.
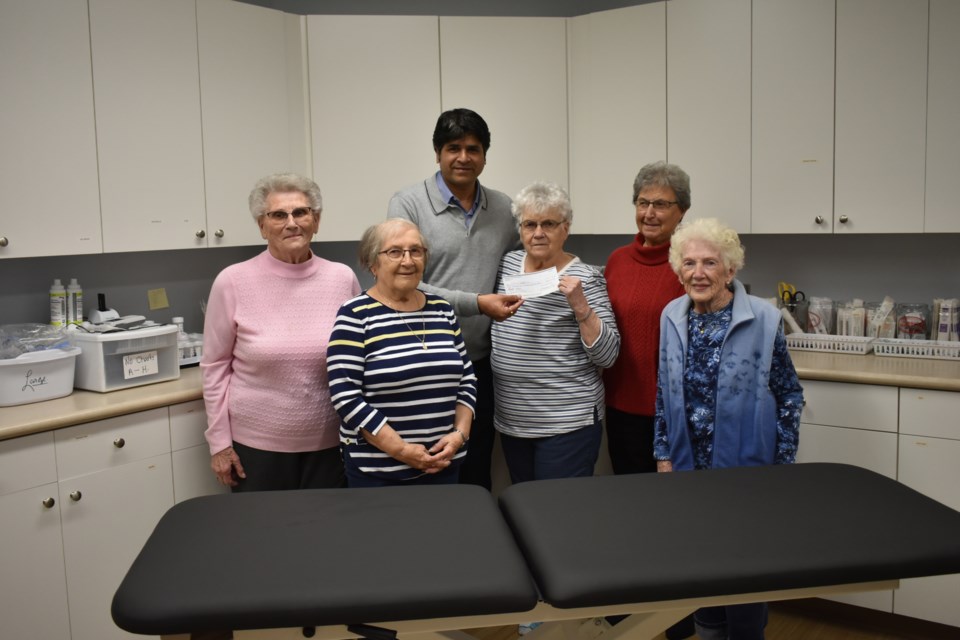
(283, 183)
(371, 243)
(538, 197)
(662, 174)
(711, 231)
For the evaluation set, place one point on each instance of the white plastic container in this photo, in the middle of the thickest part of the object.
(124, 359)
(37, 376)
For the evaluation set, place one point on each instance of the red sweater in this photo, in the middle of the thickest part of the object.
(640, 283)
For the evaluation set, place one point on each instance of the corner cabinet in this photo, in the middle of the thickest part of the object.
(621, 121)
(48, 154)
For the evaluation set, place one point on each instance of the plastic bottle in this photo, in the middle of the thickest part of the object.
(58, 304)
(74, 302)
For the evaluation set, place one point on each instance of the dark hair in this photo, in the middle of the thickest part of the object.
(661, 174)
(457, 123)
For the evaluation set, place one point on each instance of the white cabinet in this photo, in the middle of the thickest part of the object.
(943, 125)
(708, 104)
(929, 455)
(617, 113)
(374, 101)
(192, 475)
(115, 483)
(513, 72)
(32, 577)
(48, 154)
(254, 120)
(147, 96)
(851, 424)
(881, 102)
(792, 141)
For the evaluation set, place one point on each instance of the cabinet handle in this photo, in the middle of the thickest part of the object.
(844, 219)
(218, 233)
(818, 219)
(201, 234)
(48, 503)
(75, 496)
(4, 242)
(119, 442)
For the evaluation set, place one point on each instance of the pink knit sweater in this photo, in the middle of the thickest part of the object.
(264, 353)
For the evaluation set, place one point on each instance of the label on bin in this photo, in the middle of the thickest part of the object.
(136, 365)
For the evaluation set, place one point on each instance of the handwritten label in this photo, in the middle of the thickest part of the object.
(32, 381)
(137, 365)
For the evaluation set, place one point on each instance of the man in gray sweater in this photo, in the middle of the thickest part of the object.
(468, 228)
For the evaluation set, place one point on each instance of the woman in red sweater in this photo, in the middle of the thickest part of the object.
(641, 283)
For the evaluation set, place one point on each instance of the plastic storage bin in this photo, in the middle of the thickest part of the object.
(124, 359)
(37, 375)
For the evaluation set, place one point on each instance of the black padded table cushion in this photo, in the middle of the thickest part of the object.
(329, 556)
(611, 540)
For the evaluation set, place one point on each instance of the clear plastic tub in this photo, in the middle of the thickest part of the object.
(124, 359)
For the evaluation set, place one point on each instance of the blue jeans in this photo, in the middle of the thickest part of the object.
(568, 455)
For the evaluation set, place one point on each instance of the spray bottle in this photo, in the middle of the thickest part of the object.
(58, 304)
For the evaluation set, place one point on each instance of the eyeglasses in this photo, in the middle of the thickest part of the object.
(548, 226)
(658, 205)
(395, 254)
(281, 216)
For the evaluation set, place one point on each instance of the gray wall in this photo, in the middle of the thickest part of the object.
(910, 268)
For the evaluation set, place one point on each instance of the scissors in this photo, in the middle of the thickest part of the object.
(789, 294)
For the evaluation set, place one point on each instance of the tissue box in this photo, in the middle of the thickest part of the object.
(37, 375)
(111, 361)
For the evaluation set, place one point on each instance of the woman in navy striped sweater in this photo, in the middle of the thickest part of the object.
(400, 378)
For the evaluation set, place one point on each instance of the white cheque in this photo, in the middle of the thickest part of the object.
(532, 285)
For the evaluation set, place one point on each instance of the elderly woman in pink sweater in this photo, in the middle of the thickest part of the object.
(271, 424)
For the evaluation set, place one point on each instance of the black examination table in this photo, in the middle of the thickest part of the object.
(428, 561)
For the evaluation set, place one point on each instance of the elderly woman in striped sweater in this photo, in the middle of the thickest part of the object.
(400, 378)
(547, 358)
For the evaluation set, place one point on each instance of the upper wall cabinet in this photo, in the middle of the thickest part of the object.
(374, 101)
(518, 83)
(252, 97)
(943, 123)
(708, 104)
(618, 114)
(881, 115)
(793, 70)
(48, 150)
(147, 93)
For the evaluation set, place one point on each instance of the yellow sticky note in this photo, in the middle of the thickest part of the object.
(157, 298)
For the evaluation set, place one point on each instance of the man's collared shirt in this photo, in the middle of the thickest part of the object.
(451, 199)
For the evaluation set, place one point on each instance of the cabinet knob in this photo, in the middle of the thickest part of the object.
(818, 219)
(75, 496)
(844, 219)
(218, 233)
(201, 234)
(119, 442)
(48, 503)
(4, 242)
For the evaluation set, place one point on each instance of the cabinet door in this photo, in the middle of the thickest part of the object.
(374, 101)
(192, 475)
(48, 154)
(880, 116)
(34, 602)
(793, 71)
(943, 125)
(107, 517)
(873, 450)
(925, 412)
(929, 465)
(251, 87)
(513, 72)
(147, 89)
(708, 104)
(617, 117)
